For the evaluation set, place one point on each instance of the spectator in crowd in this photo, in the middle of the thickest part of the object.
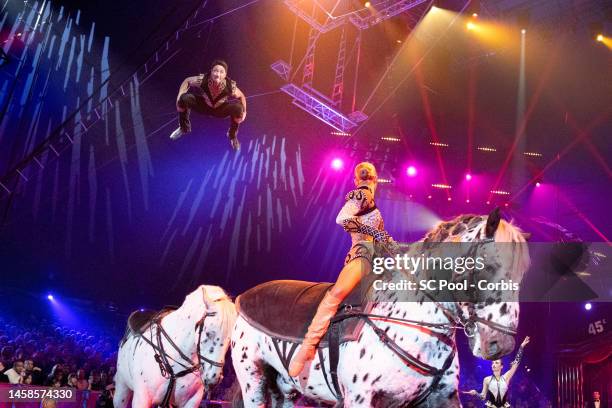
(82, 382)
(49, 403)
(56, 377)
(3, 377)
(105, 400)
(95, 382)
(27, 379)
(15, 374)
(72, 380)
(35, 372)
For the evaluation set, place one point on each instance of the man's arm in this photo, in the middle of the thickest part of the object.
(189, 81)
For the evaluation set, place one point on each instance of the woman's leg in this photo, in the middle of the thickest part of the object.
(348, 279)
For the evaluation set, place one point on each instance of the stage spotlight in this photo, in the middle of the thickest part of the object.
(600, 37)
(588, 306)
(538, 184)
(50, 296)
(475, 15)
(411, 171)
(367, 4)
(441, 186)
(468, 177)
(337, 164)
(523, 31)
(429, 197)
(450, 199)
(488, 202)
(467, 201)
(470, 26)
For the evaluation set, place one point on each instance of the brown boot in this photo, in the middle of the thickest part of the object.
(317, 329)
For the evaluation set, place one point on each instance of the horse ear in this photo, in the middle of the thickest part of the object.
(208, 302)
(492, 223)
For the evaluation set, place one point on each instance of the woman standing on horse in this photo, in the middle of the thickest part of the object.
(362, 219)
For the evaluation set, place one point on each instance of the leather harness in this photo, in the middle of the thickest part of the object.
(163, 359)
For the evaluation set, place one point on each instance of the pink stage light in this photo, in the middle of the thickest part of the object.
(468, 177)
(538, 184)
(337, 164)
(411, 171)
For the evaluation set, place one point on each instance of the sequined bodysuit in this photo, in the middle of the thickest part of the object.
(360, 207)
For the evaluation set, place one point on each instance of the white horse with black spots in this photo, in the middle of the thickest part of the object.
(422, 367)
(188, 344)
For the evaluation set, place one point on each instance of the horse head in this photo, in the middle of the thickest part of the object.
(217, 314)
(492, 321)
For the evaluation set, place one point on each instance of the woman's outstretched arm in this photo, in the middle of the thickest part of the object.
(515, 363)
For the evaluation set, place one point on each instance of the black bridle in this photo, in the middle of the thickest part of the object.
(163, 358)
(470, 323)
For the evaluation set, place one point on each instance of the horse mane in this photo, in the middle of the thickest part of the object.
(225, 305)
(508, 232)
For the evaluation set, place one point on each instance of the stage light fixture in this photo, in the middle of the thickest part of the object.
(500, 192)
(523, 31)
(468, 177)
(411, 171)
(50, 296)
(450, 199)
(532, 154)
(538, 184)
(475, 15)
(486, 149)
(384, 180)
(390, 139)
(588, 306)
(441, 186)
(337, 164)
(438, 144)
(367, 4)
(470, 25)
(600, 37)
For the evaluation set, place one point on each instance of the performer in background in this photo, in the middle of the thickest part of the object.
(210, 94)
(495, 387)
(596, 401)
(361, 218)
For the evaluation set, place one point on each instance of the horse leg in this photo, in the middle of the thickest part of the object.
(285, 394)
(195, 400)
(446, 394)
(141, 398)
(123, 394)
(249, 365)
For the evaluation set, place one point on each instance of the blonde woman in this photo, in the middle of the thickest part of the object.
(362, 219)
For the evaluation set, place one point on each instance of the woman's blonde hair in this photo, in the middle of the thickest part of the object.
(365, 171)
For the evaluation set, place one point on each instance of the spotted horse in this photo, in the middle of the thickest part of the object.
(386, 353)
(172, 357)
